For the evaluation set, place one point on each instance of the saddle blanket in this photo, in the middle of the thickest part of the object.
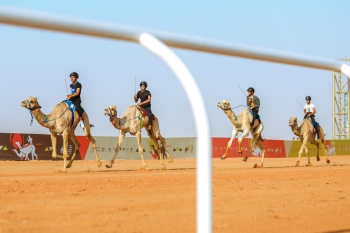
(257, 115)
(71, 107)
(315, 126)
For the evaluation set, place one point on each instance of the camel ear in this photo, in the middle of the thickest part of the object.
(35, 98)
(114, 106)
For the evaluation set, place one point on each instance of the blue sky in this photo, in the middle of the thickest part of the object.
(37, 62)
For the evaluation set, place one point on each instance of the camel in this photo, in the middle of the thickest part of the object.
(241, 123)
(307, 133)
(132, 122)
(59, 121)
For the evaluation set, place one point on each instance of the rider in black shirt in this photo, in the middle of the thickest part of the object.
(75, 96)
(145, 97)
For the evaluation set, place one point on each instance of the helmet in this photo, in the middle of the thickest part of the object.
(143, 83)
(75, 74)
(308, 97)
(251, 89)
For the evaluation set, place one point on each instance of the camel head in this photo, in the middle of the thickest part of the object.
(110, 111)
(31, 103)
(293, 122)
(224, 105)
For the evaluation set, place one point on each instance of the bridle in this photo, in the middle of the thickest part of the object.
(32, 109)
(110, 113)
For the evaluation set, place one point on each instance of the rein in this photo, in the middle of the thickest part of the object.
(226, 109)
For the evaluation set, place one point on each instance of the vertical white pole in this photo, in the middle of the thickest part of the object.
(204, 182)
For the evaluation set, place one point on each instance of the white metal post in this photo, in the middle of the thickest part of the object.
(204, 180)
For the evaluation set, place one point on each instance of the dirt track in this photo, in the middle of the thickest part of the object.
(35, 197)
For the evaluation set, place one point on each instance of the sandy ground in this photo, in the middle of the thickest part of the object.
(36, 197)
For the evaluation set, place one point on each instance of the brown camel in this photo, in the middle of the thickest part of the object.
(307, 133)
(132, 122)
(59, 122)
(241, 123)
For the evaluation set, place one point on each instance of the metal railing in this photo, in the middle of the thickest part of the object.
(156, 42)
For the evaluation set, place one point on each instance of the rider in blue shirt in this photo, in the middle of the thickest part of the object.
(75, 95)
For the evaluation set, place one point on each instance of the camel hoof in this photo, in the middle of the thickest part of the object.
(297, 164)
(309, 165)
(223, 157)
(318, 158)
(99, 164)
(144, 168)
(257, 166)
(64, 170)
(170, 160)
(69, 165)
(109, 165)
(328, 161)
(163, 167)
(245, 159)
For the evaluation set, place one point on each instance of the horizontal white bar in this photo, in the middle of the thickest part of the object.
(35, 19)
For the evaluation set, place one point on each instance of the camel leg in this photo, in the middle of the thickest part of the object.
(234, 134)
(65, 135)
(90, 137)
(139, 146)
(314, 142)
(76, 145)
(34, 155)
(251, 146)
(258, 142)
(325, 152)
(262, 152)
(54, 143)
(240, 139)
(303, 145)
(162, 140)
(120, 141)
(156, 144)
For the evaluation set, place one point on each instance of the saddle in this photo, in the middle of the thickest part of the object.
(71, 107)
(316, 125)
(257, 120)
(144, 113)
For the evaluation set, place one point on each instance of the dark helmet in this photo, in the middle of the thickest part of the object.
(75, 74)
(308, 97)
(251, 89)
(143, 83)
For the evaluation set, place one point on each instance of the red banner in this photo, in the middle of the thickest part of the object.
(273, 148)
(219, 146)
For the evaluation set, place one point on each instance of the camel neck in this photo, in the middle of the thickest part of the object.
(41, 118)
(295, 130)
(231, 115)
(118, 123)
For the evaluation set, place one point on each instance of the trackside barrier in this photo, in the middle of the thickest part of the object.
(156, 43)
(22, 146)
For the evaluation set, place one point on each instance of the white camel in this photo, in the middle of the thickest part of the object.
(241, 123)
(26, 149)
